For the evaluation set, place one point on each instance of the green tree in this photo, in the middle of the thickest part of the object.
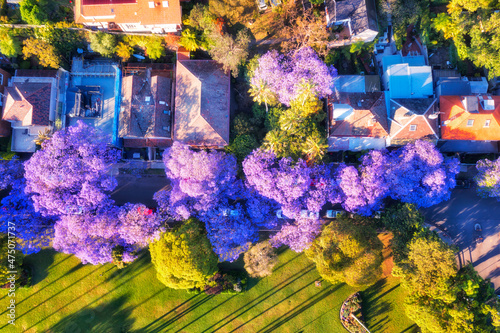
(155, 48)
(45, 53)
(10, 46)
(230, 52)
(242, 146)
(124, 51)
(347, 250)
(189, 40)
(262, 93)
(103, 43)
(260, 259)
(183, 257)
(34, 11)
(429, 268)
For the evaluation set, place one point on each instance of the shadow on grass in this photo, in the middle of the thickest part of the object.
(374, 307)
(412, 329)
(143, 259)
(106, 317)
(40, 263)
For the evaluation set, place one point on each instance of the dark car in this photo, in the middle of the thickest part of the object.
(478, 234)
(463, 183)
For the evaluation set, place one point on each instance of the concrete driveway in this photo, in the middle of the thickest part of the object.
(458, 216)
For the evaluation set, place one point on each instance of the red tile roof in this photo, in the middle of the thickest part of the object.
(28, 102)
(415, 114)
(147, 142)
(459, 124)
(368, 118)
(137, 12)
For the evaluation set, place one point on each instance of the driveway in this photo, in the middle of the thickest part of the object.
(138, 189)
(458, 216)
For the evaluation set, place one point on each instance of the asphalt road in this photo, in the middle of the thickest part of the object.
(458, 216)
(134, 189)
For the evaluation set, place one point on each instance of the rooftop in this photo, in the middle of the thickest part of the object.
(28, 102)
(201, 104)
(361, 13)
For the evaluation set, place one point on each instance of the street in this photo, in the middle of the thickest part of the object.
(458, 216)
(138, 189)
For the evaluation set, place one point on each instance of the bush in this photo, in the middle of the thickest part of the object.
(103, 43)
(184, 258)
(260, 260)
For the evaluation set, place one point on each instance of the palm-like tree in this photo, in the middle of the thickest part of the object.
(42, 136)
(314, 148)
(306, 90)
(189, 40)
(262, 93)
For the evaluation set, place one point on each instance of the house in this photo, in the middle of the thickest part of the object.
(357, 121)
(353, 20)
(202, 107)
(146, 109)
(407, 77)
(470, 123)
(30, 102)
(93, 96)
(412, 119)
(5, 129)
(452, 86)
(356, 83)
(130, 15)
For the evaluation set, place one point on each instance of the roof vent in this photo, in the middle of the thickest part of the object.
(488, 104)
(151, 4)
(470, 104)
(165, 4)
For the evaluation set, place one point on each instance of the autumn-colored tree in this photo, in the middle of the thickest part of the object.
(124, 51)
(184, 258)
(44, 52)
(229, 51)
(260, 260)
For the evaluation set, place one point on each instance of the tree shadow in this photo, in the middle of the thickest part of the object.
(106, 317)
(40, 263)
(373, 307)
(143, 259)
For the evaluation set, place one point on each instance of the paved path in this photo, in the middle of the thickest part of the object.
(458, 216)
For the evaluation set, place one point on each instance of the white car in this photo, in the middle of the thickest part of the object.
(230, 212)
(332, 214)
(262, 5)
(307, 214)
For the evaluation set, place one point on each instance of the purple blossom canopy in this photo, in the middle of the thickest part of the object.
(71, 173)
(283, 74)
(488, 178)
(199, 180)
(418, 174)
(298, 235)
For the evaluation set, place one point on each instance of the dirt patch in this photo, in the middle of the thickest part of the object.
(388, 263)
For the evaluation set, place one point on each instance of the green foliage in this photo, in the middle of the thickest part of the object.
(10, 260)
(124, 51)
(404, 221)
(189, 40)
(348, 251)
(155, 48)
(233, 10)
(10, 46)
(474, 26)
(103, 43)
(299, 131)
(429, 267)
(45, 53)
(184, 258)
(242, 146)
(64, 41)
(117, 256)
(34, 11)
(260, 259)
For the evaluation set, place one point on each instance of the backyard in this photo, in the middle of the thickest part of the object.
(67, 296)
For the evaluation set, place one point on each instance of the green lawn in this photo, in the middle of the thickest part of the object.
(70, 297)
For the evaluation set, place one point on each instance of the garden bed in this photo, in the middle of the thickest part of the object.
(350, 308)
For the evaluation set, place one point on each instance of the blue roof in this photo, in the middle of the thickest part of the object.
(410, 81)
(414, 60)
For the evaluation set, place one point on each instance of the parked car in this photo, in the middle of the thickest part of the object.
(262, 5)
(307, 214)
(463, 183)
(280, 215)
(478, 234)
(230, 212)
(332, 214)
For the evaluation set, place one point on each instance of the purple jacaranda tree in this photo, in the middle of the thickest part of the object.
(229, 230)
(488, 178)
(17, 214)
(297, 235)
(92, 237)
(283, 75)
(364, 188)
(70, 174)
(294, 185)
(199, 181)
(419, 175)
